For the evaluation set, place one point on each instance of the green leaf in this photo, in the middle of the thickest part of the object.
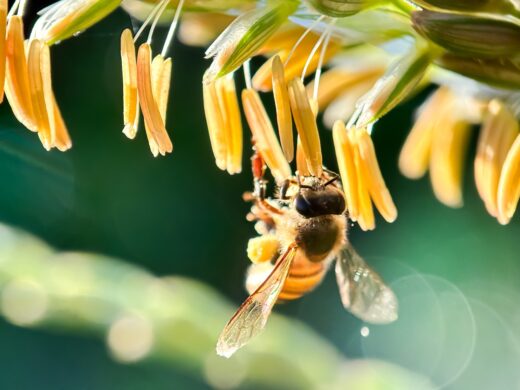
(67, 19)
(469, 35)
(399, 81)
(242, 39)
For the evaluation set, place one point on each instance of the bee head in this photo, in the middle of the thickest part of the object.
(315, 201)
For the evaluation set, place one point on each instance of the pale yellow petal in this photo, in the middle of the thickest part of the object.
(498, 133)
(130, 99)
(264, 137)
(158, 138)
(347, 168)
(509, 184)
(374, 179)
(306, 125)
(283, 109)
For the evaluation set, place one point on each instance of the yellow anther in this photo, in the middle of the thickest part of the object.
(283, 109)
(130, 96)
(264, 136)
(306, 125)
(158, 138)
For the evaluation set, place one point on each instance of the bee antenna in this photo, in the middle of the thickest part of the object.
(331, 181)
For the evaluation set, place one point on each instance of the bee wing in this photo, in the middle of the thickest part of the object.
(251, 317)
(362, 290)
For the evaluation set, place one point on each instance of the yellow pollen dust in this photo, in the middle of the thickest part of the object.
(158, 138)
(130, 96)
(283, 109)
(305, 121)
(264, 136)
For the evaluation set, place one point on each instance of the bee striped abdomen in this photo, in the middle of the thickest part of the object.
(303, 277)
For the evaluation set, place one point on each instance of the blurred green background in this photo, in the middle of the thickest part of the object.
(455, 272)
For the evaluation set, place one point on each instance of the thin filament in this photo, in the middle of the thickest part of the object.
(148, 19)
(320, 62)
(156, 20)
(312, 53)
(247, 74)
(302, 37)
(13, 8)
(173, 26)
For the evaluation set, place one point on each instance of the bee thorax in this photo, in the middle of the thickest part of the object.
(319, 237)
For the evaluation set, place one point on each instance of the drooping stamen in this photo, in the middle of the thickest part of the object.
(449, 143)
(161, 78)
(264, 136)
(498, 133)
(306, 125)
(230, 110)
(509, 184)
(158, 138)
(130, 96)
(37, 94)
(63, 141)
(374, 180)
(415, 154)
(347, 168)
(3, 27)
(301, 161)
(59, 133)
(17, 86)
(366, 218)
(215, 122)
(283, 109)
(173, 26)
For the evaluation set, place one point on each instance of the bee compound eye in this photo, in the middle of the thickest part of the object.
(303, 206)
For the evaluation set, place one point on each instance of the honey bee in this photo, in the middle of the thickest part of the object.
(308, 223)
